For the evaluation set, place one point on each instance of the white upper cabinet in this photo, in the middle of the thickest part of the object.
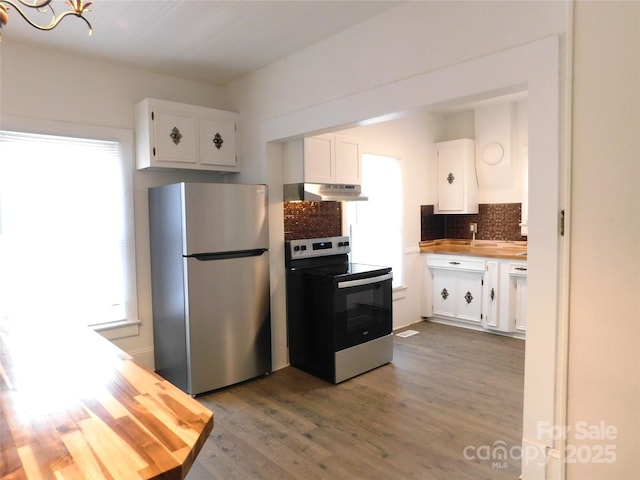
(179, 136)
(457, 181)
(325, 159)
(319, 159)
(348, 164)
(217, 141)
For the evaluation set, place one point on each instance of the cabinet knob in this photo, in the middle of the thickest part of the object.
(444, 293)
(217, 140)
(175, 135)
(450, 178)
(468, 297)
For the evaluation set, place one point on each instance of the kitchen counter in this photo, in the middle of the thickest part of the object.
(74, 406)
(480, 248)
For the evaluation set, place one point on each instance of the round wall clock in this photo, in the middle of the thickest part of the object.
(492, 153)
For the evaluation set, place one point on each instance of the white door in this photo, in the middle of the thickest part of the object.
(175, 137)
(490, 294)
(521, 305)
(469, 296)
(348, 165)
(218, 143)
(450, 178)
(318, 160)
(444, 293)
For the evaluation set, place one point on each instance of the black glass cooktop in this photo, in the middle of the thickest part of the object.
(349, 270)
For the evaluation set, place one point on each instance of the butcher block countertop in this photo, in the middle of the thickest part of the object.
(75, 406)
(479, 248)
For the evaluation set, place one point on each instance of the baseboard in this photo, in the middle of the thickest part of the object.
(144, 356)
(540, 462)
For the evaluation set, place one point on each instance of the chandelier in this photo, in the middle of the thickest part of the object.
(78, 8)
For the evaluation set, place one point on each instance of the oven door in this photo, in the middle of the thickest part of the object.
(363, 310)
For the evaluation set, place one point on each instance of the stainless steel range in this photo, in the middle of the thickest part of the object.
(339, 314)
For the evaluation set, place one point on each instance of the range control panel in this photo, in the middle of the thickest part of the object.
(316, 247)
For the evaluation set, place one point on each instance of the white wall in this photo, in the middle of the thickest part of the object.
(36, 84)
(604, 331)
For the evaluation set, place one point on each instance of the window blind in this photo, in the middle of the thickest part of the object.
(63, 229)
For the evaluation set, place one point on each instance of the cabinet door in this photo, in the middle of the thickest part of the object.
(490, 293)
(175, 137)
(450, 177)
(318, 159)
(218, 143)
(444, 293)
(347, 161)
(469, 296)
(521, 304)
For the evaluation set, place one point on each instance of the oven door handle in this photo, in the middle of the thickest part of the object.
(365, 281)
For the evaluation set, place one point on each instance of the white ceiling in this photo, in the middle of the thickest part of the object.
(206, 40)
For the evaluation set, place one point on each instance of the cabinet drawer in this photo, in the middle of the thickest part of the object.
(453, 262)
(518, 269)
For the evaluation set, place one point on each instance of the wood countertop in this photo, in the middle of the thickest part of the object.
(75, 406)
(481, 248)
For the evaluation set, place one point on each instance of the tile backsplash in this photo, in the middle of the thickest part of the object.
(499, 221)
(496, 221)
(312, 220)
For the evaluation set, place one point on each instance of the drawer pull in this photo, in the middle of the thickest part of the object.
(454, 263)
(522, 269)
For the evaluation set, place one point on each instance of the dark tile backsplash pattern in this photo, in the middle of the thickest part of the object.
(496, 221)
(432, 227)
(312, 220)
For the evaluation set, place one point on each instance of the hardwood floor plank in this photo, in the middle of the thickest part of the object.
(447, 389)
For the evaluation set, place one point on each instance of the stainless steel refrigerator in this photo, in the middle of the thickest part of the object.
(210, 284)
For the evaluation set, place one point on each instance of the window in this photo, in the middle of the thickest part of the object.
(376, 225)
(66, 230)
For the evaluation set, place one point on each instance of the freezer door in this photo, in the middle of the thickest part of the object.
(228, 320)
(224, 217)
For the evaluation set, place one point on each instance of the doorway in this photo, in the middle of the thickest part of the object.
(541, 76)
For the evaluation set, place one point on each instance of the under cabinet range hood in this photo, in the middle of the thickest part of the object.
(319, 192)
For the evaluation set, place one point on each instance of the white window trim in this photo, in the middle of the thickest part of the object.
(125, 137)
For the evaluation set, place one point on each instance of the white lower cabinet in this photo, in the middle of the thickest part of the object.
(521, 305)
(518, 290)
(475, 292)
(457, 287)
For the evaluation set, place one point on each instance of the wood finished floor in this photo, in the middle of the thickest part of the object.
(447, 388)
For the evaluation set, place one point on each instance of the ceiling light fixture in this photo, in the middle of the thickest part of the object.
(78, 9)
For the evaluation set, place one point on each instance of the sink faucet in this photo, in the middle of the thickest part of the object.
(473, 227)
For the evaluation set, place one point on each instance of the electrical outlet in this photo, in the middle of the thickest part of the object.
(473, 227)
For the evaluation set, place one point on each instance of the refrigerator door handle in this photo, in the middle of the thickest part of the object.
(207, 257)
